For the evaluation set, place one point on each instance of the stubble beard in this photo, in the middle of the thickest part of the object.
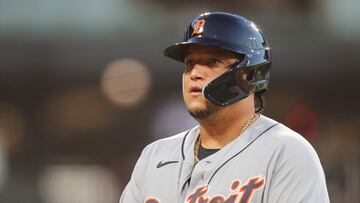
(205, 112)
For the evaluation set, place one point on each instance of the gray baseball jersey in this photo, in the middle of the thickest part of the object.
(268, 163)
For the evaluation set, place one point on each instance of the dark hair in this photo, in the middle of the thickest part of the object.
(259, 102)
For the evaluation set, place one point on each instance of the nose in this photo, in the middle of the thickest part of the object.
(197, 72)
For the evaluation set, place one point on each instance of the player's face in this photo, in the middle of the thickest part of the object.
(202, 65)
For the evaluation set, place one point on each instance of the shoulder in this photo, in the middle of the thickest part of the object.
(280, 136)
(294, 164)
(167, 145)
(285, 146)
(291, 142)
(166, 148)
(292, 149)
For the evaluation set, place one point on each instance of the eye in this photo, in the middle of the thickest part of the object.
(214, 61)
(189, 63)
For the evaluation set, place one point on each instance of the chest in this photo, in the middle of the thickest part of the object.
(232, 182)
(242, 179)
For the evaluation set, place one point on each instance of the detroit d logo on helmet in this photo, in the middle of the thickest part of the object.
(198, 27)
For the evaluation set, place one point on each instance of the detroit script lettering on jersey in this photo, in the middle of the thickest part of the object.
(238, 193)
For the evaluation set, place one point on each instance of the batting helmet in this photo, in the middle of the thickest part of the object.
(238, 35)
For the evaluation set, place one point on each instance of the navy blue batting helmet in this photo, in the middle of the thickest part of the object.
(238, 35)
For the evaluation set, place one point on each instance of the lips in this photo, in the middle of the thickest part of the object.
(195, 90)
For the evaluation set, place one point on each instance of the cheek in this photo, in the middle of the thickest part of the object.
(185, 81)
(184, 88)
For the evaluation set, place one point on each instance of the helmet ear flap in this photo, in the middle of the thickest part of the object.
(260, 80)
(230, 86)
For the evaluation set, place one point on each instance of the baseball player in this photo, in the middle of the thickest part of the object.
(235, 154)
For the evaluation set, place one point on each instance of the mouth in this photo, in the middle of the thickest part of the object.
(195, 90)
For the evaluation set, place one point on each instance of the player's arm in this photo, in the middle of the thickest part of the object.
(298, 175)
(133, 191)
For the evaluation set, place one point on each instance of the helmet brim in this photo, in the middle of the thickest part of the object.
(178, 50)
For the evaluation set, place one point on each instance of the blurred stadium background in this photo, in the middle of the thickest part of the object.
(84, 87)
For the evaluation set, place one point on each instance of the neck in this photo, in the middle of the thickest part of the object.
(219, 129)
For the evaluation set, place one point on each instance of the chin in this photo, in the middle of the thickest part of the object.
(196, 106)
(200, 110)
